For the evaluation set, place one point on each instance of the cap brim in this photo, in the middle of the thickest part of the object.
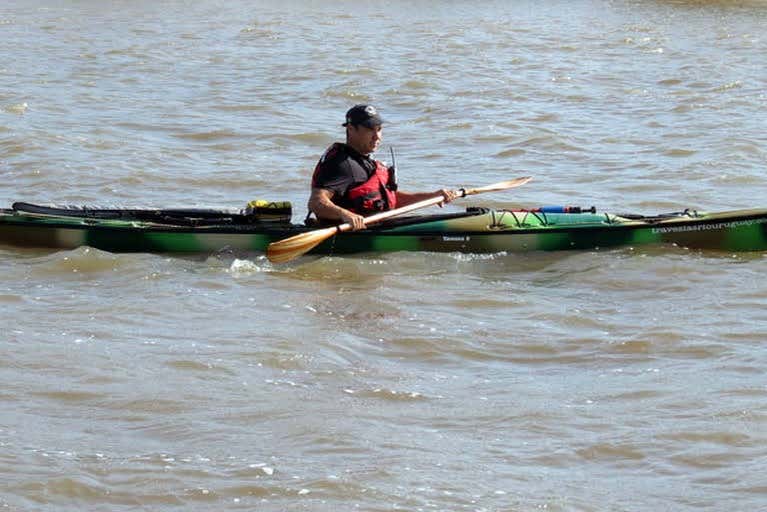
(370, 123)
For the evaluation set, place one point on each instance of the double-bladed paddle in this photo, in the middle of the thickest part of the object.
(293, 247)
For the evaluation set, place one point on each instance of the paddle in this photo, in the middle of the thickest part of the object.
(293, 247)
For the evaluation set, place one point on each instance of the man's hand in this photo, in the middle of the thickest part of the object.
(448, 195)
(357, 221)
(321, 203)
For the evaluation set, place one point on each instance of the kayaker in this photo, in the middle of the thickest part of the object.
(349, 184)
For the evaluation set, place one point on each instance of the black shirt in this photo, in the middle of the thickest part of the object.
(340, 168)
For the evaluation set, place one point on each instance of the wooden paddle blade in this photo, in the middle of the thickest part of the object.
(503, 185)
(293, 247)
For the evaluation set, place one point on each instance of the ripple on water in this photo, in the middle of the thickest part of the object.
(198, 368)
(81, 261)
(71, 397)
(80, 488)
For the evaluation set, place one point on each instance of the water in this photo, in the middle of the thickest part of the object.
(619, 380)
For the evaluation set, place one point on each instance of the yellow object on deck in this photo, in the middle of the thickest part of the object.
(269, 211)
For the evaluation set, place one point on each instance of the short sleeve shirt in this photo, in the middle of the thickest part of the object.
(341, 168)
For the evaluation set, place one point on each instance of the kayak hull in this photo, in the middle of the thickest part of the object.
(485, 231)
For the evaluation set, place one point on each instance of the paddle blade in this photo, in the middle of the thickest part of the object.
(293, 247)
(503, 185)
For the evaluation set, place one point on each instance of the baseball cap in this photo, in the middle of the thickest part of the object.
(366, 115)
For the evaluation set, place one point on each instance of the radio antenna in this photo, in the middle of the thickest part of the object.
(393, 172)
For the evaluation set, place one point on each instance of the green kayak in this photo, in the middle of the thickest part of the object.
(477, 230)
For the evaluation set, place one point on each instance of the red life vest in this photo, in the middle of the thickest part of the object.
(377, 194)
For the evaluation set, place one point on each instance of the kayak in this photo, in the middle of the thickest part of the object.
(476, 230)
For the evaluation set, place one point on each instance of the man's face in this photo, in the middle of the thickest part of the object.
(365, 140)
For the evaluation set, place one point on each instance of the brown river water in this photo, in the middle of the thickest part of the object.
(620, 380)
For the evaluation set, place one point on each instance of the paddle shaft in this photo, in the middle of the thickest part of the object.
(461, 192)
(378, 217)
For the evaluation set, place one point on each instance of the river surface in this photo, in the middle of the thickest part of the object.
(621, 380)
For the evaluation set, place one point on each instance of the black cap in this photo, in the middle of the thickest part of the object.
(366, 115)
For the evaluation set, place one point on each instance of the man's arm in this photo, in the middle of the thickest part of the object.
(321, 203)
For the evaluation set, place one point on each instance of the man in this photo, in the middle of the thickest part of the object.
(348, 184)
